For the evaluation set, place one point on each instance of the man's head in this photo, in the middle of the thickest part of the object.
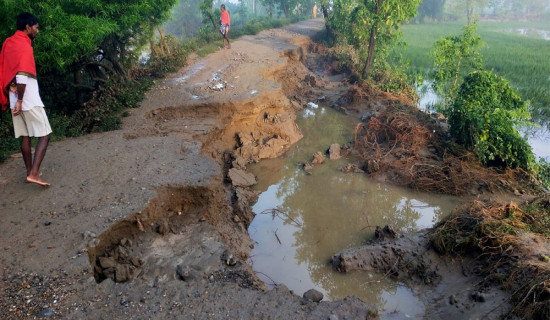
(28, 23)
(222, 7)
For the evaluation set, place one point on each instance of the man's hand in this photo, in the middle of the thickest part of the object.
(17, 108)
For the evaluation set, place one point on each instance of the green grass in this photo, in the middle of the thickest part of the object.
(209, 48)
(522, 60)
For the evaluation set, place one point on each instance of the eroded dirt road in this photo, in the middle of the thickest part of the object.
(143, 222)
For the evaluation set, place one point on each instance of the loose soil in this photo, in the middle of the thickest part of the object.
(150, 221)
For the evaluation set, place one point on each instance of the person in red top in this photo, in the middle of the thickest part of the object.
(224, 28)
(19, 88)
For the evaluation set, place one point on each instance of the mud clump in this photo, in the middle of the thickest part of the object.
(395, 255)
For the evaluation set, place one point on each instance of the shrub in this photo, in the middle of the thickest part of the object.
(485, 115)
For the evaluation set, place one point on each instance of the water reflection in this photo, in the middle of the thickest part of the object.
(323, 213)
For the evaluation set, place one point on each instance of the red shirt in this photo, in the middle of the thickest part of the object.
(16, 56)
(225, 18)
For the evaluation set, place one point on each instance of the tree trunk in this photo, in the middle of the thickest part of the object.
(77, 76)
(372, 41)
(163, 45)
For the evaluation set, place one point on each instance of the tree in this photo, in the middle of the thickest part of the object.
(432, 9)
(207, 15)
(370, 24)
(470, 8)
(386, 16)
(454, 56)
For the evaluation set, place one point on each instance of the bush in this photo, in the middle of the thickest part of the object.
(485, 115)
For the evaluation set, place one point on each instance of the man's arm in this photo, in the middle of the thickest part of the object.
(21, 86)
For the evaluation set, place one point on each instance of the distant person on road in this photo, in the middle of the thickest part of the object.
(224, 28)
(315, 11)
(19, 87)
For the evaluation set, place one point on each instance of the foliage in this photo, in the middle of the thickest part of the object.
(469, 9)
(485, 115)
(369, 26)
(543, 172)
(209, 16)
(517, 8)
(432, 9)
(455, 56)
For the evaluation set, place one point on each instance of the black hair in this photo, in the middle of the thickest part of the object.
(24, 19)
(223, 6)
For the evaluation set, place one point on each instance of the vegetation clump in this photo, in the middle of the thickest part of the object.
(485, 115)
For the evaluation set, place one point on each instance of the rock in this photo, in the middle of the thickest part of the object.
(241, 178)
(136, 261)
(239, 163)
(123, 302)
(47, 223)
(313, 295)
(107, 262)
(333, 317)
(308, 166)
(452, 299)
(373, 166)
(318, 158)
(162, 227)
(384, 233)
(122, 273)
(230, 261)
(272, 148)
(185, 273)
(478, 296)
(45, 313)
(334, 151)
(126, 242)
(351, 168)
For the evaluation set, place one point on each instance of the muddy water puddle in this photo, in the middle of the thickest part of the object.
(302, 220)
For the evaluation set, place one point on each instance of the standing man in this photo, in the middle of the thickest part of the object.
(224, 28)
(18, 84)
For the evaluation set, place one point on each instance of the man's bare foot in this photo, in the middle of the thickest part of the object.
(38, 181)
(39, 174)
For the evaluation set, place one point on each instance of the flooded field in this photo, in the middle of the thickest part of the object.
(302, 220)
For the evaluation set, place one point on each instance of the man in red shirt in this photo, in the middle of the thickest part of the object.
(19, 89)
(224, 28)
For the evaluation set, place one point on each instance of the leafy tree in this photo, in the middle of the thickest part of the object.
(82, 42)
(431, 8)
(185, 20)
(207, 14)
(370, 24)
(455, 56)
(518, 8)
(470, 8)
(485, 115)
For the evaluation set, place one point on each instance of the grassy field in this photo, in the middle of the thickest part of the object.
(524, 60)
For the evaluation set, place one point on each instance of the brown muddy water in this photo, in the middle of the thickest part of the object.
(323, 213)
